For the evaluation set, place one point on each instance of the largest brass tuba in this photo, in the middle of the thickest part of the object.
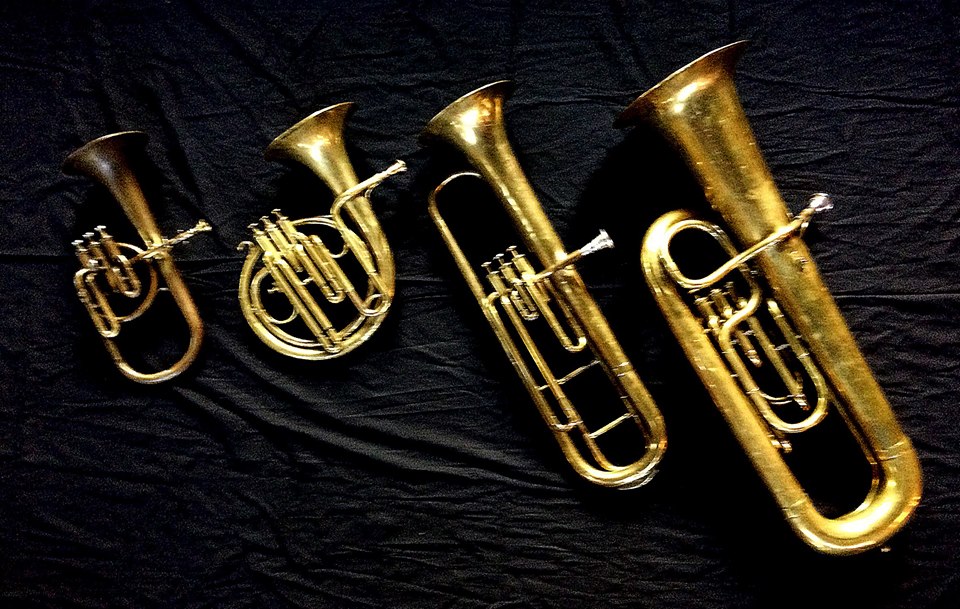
(304, 259)
(766, 308)
(555, 294)
(110, 268)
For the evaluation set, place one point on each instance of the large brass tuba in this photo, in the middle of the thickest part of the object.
(305, 269)
(110, 267)
(556, 295)
(762, 329)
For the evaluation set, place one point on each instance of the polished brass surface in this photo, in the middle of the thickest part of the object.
(474, 124)
(720, 327)
(109, 267)
(302, 267)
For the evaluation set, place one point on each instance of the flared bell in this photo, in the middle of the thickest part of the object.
(109, 267)
(330, 310)
(516, 299)
(697, 108)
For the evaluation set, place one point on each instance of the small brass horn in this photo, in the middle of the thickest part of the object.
(309, 271)
(109, 267)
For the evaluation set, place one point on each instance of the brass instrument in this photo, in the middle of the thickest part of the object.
(109, 267)
(556, 295)
(303, 267)
(733, 327)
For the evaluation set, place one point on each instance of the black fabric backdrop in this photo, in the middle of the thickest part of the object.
(414, 472)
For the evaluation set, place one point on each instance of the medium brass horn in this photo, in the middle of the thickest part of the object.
(109, 267)
(767, 306)
(307, 270)
(556, 295)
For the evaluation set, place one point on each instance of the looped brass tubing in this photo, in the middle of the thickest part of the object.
(102, 259)
(303, 268)
(721, 332)
(556, 296)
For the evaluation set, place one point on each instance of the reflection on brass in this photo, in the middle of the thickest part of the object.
(766, 312)
(109, 267)
(556, 294)
(305, 269)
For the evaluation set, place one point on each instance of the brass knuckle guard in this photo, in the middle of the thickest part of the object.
(292, 259)
(474, 124)
(698, 109)
(105, 161)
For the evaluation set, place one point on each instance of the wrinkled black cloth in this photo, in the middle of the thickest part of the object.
(414, 472)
